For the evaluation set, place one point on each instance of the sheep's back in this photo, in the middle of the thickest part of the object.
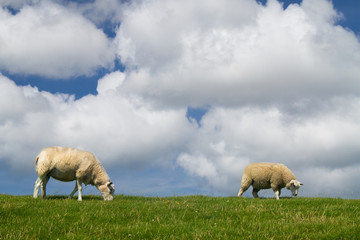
(64, 160)
(264, 174)
(260, 173)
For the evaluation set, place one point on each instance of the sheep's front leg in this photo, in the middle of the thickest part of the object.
(277, 191)
(78, 182)
(74, 191)
(36, 187)
(277, 194)
(255, 193)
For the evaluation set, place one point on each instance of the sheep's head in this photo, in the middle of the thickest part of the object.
(107, 191)
(294, 187)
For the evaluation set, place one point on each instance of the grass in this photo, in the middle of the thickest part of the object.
(188, 217)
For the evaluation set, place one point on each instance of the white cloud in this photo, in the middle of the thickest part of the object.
(110, 82)
(26, 123)
(49, 40)
(261, 54)
(157, 28)
(121, 130)
(325, 182)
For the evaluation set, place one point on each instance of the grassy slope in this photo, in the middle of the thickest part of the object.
(189, 217)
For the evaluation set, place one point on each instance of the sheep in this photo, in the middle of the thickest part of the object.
(69, 164)
(268, 175)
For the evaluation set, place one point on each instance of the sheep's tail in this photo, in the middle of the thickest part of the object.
(42, 167)
(36, 160)
(36, 163)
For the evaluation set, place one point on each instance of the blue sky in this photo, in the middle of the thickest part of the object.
(178, 97)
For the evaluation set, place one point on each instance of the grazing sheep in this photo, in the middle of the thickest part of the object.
(268, 175)
(69, 164)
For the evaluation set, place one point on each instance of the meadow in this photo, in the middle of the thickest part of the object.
(183, 217)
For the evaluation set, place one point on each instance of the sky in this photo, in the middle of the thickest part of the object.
(178, 97)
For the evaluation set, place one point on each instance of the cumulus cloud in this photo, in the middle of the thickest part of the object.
(26, 123)
(123, 130)
(260, 54)
(49, 40)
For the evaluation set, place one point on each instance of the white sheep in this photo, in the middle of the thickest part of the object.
(268, 175)
(69, 164)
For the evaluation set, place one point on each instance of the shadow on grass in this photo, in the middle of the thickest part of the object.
(84, 198)
(269, 198)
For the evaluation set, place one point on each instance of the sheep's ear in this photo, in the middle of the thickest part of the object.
(301, 183)
(110, 186)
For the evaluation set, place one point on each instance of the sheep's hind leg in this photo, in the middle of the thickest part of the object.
(242, 190)
(44, 181)
(245, 184)
(254, 192)
(78, 183)
(74, 191)
(36, 187)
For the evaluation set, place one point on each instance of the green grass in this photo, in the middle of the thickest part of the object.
(188, 217)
